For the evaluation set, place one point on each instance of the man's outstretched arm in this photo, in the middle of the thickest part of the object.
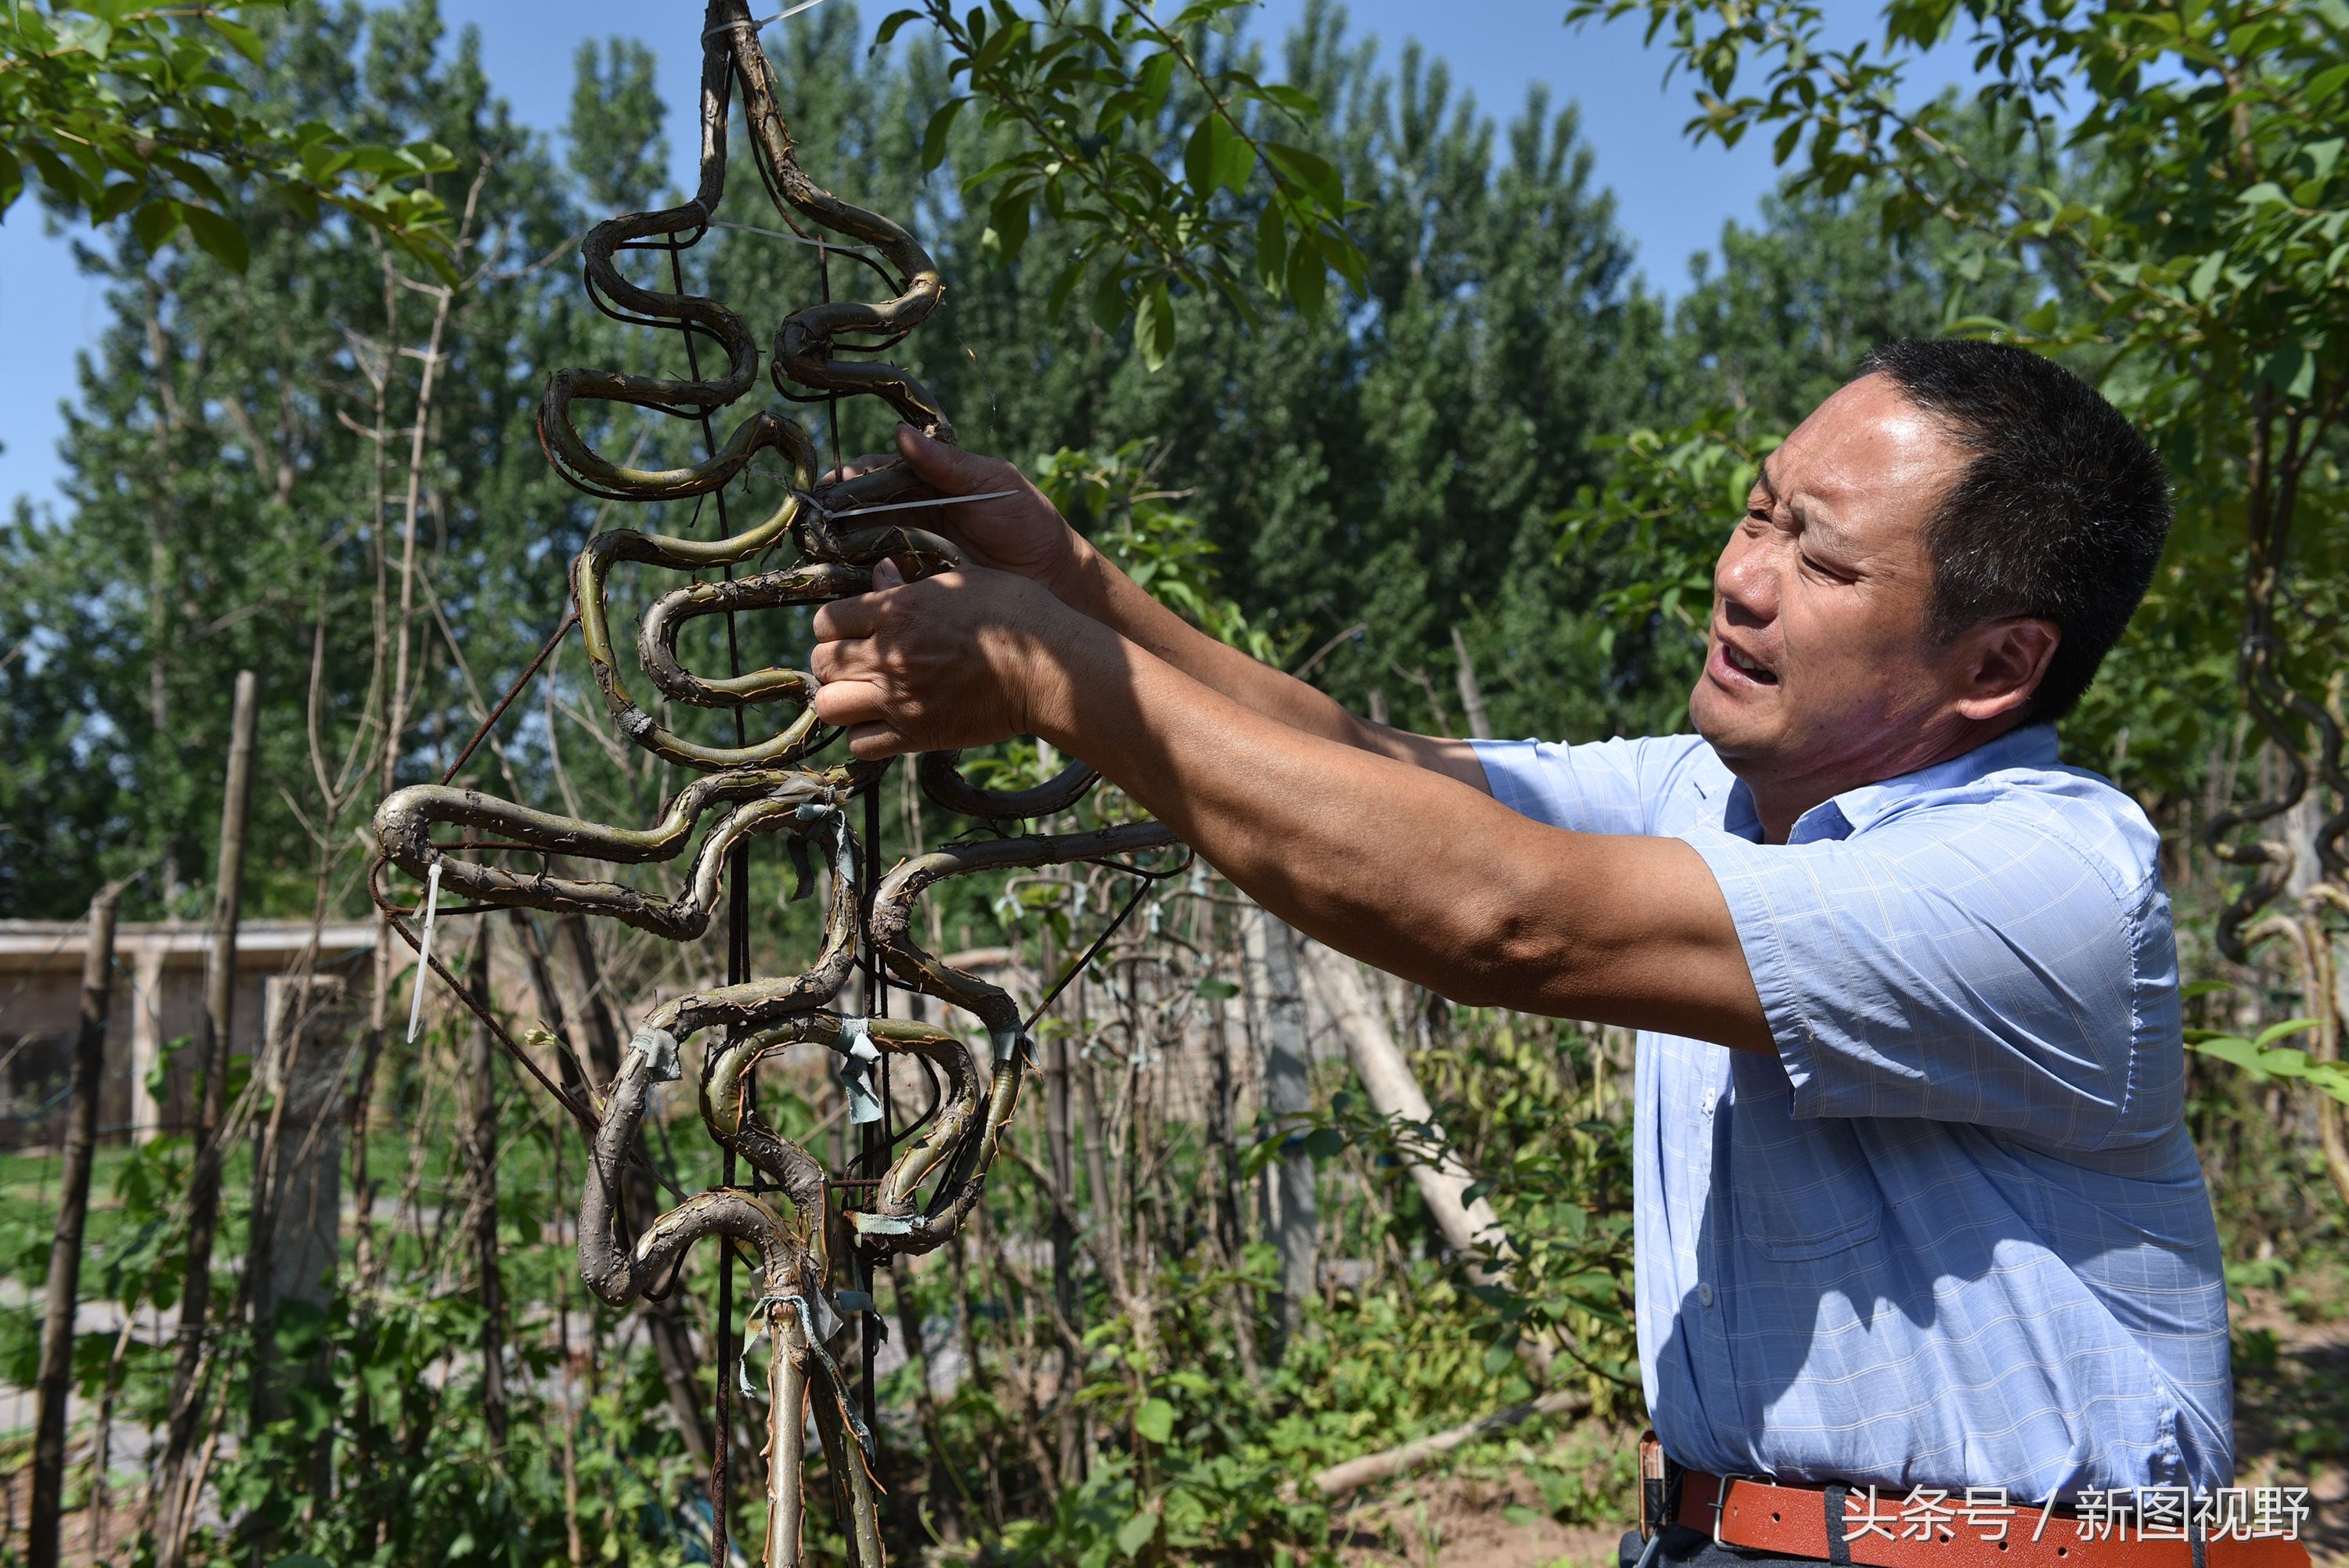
(1403, 866)
(1024, 534)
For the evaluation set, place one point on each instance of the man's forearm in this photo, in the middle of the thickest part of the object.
(1108, 595)
(1407, 870)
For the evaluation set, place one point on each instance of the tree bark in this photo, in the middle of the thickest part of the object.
(665, 1323)
(1387, 1077)
(1295, 1221)
(55, 1381)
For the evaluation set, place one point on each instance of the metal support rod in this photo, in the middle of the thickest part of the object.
(875, 1152)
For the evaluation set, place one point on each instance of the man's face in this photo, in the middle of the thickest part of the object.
(1820, 664)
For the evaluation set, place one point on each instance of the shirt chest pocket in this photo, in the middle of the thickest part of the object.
(1800, 1188)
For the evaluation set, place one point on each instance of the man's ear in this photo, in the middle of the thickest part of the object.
(2000, 664)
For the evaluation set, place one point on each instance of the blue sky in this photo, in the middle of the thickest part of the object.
(1671, 197)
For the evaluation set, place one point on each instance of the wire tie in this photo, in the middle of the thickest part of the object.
(750, 1340)
(847, 250)
(856, 1070)
(910, 505)
(424, 951)
(762, 22)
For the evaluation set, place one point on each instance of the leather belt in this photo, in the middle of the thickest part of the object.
(1792, 1522)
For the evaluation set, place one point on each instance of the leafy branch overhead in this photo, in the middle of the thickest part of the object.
(2213, 252)
(1089, 105)
(118, 110)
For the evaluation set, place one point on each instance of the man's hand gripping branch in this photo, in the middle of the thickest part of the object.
(1381, 843)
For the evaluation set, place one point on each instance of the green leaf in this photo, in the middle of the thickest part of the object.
(221, 238)
(1154, 325)
(1312, 172)
(1057, 299)
(2291, 368)
(154, 224)
(1235, 158)
(2232, 1049)
(889, 26)
(2324, 84)
(2274, 1032)
(934, 138)
(1271, 247)
(1216, 990)
(1216, 155)
(2266, 193)
(117, 199)
(1306, 277)
(1109, 303)
(241, 38)
(1135, 1532)
(1007, 223)
(2206, 276)
(1325, 1143)
(1156, 1421)
(91, 36)
(1151, 84)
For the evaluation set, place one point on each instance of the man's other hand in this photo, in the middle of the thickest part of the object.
(961, 659)
(1020, 533)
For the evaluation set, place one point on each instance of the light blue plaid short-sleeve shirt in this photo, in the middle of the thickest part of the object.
(1955, 1233)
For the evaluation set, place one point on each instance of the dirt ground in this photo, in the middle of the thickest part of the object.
(2292, 1413)
(1452, 1521)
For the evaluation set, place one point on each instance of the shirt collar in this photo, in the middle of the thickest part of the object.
(1840, 816)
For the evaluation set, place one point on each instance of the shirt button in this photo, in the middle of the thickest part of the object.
(1704, 1292)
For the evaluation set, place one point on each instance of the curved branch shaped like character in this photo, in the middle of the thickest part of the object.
(893, 1222)
(2282, 713)
(801, 1369)
(804, 344)
(764, 786)
(763, 801)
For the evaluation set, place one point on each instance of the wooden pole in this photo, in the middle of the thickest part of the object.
(1294, 1227)
(481, 1154)
(212, 1043)
(1471, 695)
(55, 1382)
(1379, 1062)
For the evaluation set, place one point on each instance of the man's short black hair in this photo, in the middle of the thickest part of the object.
(2060, 514)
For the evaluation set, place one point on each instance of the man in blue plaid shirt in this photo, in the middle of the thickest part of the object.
(1916, 1205)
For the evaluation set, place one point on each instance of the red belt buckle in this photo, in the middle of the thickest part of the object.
(1721, 1499)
